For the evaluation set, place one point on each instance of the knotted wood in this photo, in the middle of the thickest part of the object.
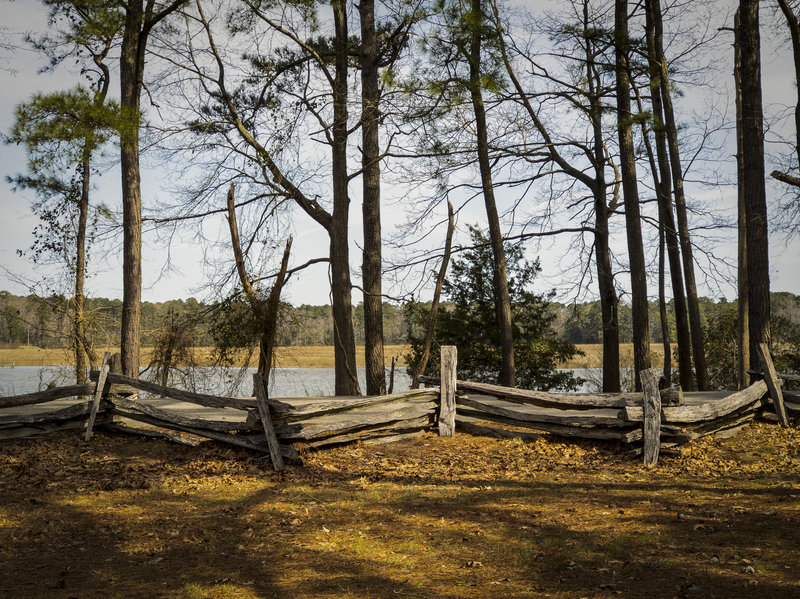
(652, 416)
(447, 409)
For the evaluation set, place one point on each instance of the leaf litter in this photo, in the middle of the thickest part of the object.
(430, 517)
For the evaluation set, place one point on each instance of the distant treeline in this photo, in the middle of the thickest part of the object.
(44, 322)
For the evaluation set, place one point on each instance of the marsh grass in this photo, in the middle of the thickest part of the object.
(286, 357)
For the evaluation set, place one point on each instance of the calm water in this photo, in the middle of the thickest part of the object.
(286, 382)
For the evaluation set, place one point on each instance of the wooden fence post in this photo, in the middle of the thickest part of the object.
(266, 421)
(98, 393)
(774, 387)
(447, 389)
(652, 416)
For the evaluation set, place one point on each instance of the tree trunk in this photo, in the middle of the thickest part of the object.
(131, 67)
(371, 203)
(609, 303)
(639, 308)
(696, 328)
(78, 322)
(346, 381)
(665, 211)
(753, 177)
(743, 304)
(502, 301)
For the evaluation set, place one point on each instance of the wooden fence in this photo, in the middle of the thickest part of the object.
(646, 421)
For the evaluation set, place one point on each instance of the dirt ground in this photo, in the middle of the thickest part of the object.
(427, 518)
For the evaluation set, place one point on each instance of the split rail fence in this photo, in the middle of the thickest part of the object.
(646, 422)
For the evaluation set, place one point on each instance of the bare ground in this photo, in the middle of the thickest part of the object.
(429, 518)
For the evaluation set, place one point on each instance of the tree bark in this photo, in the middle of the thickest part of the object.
(131, 67)
(502, 301)
(696, 329)
(753, 183)
(639, 308)
(666, 215)
(346, 379)
(371, 203)
(78, 322)
(743, 304)
(269, 317)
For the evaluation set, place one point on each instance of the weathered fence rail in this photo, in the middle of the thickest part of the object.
(644, 421)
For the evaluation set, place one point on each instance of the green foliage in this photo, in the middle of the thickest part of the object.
(60, 132)
(471, 324)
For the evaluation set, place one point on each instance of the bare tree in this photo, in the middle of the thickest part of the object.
(265, 310)
(752, 178)
(641, 326)
(310, 82)
(676, 168)
(591, 44)
(663, 178)
(793, 25)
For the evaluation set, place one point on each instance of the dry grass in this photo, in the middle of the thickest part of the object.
(464, 517)
(288, 357)
(319, 356)
(593, 357)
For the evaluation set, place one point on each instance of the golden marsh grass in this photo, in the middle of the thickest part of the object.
(286, 357)
(315, 356)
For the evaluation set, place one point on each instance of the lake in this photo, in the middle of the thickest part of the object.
(286, 382)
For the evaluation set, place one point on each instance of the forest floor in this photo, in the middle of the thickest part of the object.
(423, 518)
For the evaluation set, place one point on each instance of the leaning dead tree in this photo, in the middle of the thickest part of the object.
(265, 310)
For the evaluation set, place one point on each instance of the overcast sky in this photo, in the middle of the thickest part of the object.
(19, 79)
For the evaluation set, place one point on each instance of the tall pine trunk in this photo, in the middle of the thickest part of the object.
(743, 304)
(346, 378)
(639, 307)
(753, 186)
(79, 318)
(502, 301)
(131, 67)
(371, 203)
